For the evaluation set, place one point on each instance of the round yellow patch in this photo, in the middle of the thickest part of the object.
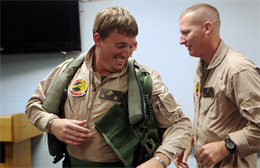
(78, 88)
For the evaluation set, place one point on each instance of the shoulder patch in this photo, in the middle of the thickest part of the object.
(78, 88)
(198, 88)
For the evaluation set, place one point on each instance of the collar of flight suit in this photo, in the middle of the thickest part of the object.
(216, 59)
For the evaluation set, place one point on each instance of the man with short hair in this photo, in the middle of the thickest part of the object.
(226, 127)
(104, 72)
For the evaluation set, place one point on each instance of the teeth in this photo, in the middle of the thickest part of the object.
(119, 60)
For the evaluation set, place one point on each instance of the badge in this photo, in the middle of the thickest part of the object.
(110, 94)
(208, 92)
(198, 88)
(78, 88)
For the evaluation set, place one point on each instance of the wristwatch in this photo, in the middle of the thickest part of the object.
(230, 145)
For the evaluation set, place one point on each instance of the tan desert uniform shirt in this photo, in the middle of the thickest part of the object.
(227, 104)
(90, 107)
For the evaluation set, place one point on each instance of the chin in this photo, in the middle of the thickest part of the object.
(192, 54)
(117, 69)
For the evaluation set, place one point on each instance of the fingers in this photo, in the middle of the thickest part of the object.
(185, 157)
(200, 157)
(203, 157)
(77, 126)
(184, 165)
(198, 153)
(206, 163)
(209, 163)
(186, 153)
(182, 159)
(76, 136)
(80, 123)
(179, 164)
(71, 142)
(76, 132)
(211, 153)
(70, 131)
(179, 161)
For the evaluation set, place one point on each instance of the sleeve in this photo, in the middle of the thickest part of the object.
(246, 94)
(33, 110)
(168, 114)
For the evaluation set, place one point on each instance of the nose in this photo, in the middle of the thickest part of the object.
(127, 52)
(182, 40)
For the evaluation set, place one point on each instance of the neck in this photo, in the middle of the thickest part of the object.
(212, 50)
(97, 64)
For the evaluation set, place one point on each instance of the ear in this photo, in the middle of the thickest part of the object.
(97, 39)
(207, 27)
(135, 46)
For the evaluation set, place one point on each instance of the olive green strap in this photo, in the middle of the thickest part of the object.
(136, 102)
(146, 82)
(118, 134)
(55, 94)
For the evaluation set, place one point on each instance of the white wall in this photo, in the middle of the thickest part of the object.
(158, 47)
(158, 38)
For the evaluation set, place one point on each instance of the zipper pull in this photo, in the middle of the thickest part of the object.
(204, 112)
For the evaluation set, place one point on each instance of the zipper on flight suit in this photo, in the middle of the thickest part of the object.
(104, 81)
(204, 112)
(204, 76)
(202, 79)
(94, 92)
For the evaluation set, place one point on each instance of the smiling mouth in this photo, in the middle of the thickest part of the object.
(119, 60)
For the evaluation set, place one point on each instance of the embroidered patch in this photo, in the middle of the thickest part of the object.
(78, 88)
(110, 94)
(198, 88)
(208, 92)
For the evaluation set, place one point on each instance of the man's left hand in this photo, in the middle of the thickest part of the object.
(211, 153)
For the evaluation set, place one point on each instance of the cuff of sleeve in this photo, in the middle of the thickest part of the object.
(48, 121)
(240, 140)
(168, 154)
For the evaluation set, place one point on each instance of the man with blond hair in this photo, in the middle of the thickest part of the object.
(226, 127)
(96, 129)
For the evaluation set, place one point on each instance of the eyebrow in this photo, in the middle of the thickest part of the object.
(184, 30)
(125, 43)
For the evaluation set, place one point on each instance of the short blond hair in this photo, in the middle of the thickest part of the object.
(207, 13)
(115, 18)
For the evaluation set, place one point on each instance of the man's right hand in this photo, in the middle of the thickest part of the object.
(181, 160)
(71, 132)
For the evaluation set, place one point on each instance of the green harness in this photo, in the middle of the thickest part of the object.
(129, 128)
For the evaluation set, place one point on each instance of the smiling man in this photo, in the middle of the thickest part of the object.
(226, 127)
(96, 130)
(113, 52)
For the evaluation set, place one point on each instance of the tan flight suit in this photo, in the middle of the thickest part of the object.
(90, 107)
(227, 104)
